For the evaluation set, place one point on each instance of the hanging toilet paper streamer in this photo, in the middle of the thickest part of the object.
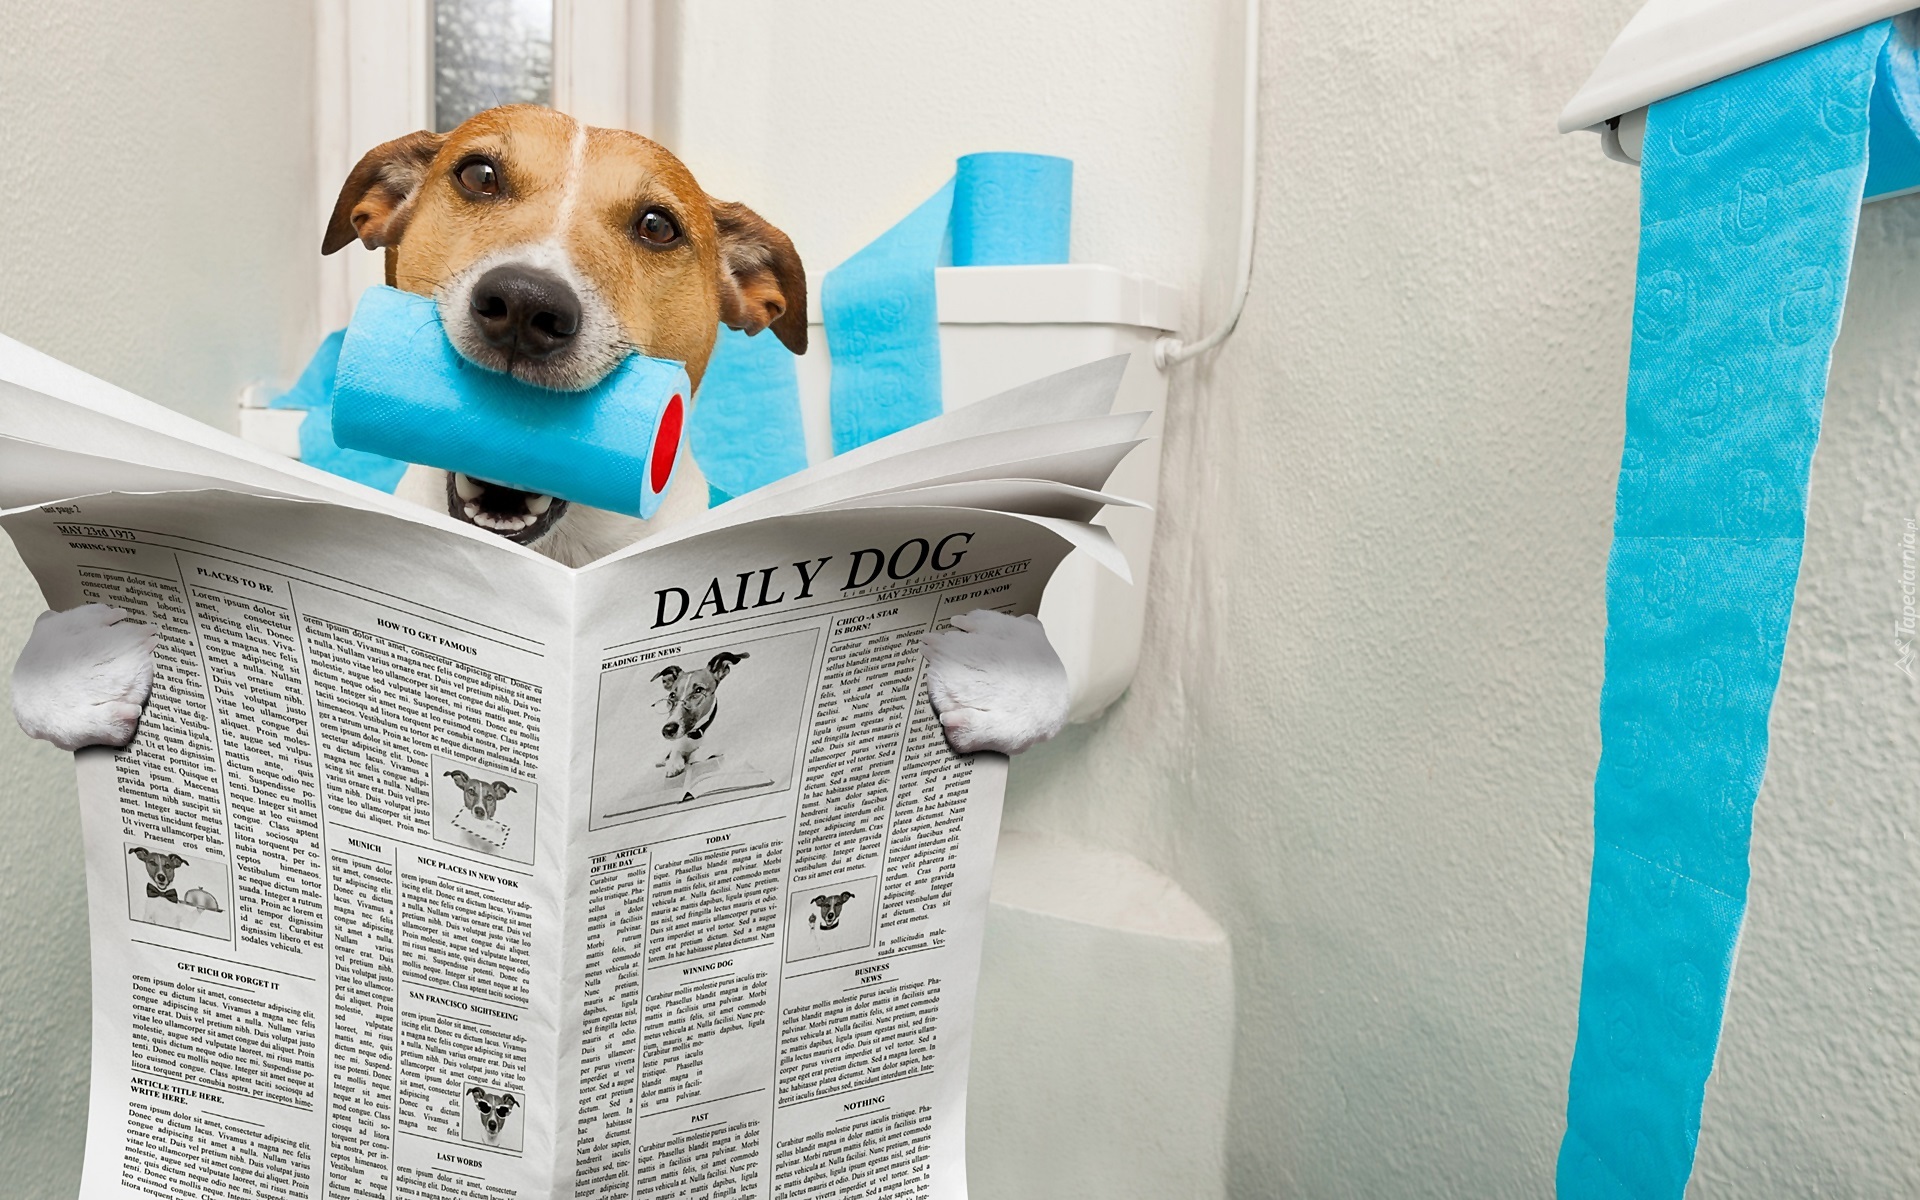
(745, 432)
(402, 390)
(1750, 196)
(881, 313)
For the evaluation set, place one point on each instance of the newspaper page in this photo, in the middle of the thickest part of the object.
(440, 870)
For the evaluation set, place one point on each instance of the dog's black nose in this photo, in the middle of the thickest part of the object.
(525, 312)
(670, 730)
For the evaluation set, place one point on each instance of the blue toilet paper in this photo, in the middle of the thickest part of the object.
(882, 323)
(401, 389)
(746, 431)
(1750, 196)
(313, 393)
(1011, 210)
(1893, 138)
(881, 313)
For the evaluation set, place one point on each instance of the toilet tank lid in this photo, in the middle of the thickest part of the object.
(1055, 294)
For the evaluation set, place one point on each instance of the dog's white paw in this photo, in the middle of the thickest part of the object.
(996, 682)
(83, 678)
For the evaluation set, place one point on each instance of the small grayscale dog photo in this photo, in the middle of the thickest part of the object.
(830, 918)
(492, 1117)
(709, 723)
(480, 809)
(177, 889)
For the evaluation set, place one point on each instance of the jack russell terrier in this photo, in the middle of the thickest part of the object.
(693, 702)
(552, 249)
(160, 870)
(829, 906)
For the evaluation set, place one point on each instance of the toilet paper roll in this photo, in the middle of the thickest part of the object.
(1893, 146)
(1011, 210)
(402, 390)
(881, 312)
(1750, 197)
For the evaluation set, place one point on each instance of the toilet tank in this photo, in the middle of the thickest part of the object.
(1004, 326)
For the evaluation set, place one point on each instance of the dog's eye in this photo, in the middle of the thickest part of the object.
(656, 227)
(477, 177)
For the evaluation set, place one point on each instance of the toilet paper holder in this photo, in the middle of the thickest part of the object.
(1673, 46)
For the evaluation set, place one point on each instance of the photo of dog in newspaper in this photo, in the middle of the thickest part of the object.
(827, 918)
(478, 808)
(712, 722)
(176, 889)
(491, 1116)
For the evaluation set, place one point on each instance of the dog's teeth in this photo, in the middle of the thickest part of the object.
(467, 488)
(538, 505)
(472, 511)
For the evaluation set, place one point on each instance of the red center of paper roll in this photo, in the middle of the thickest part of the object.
(667, 445)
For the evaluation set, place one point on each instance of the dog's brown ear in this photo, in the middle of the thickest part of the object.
(762, 284)
(670, 674)
(379, 190)
(723, 662)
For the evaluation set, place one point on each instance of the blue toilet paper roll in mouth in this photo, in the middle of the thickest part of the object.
(515, 453)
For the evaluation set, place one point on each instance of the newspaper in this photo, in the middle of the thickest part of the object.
(440, 870)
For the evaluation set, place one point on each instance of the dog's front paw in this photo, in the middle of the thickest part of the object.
(83, 678)
(996, 682)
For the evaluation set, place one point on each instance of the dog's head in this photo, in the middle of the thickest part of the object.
(830, 907)
(490, 800)
(691, 695)
(160, 867)
(553, 249)
(494, 1109)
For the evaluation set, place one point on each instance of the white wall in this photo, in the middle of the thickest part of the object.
(157, 229)
(1365, 728)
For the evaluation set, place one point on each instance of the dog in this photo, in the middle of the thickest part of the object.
(160, 871)
(693, 702)
(495, 1108)
(481, 799)
(552, 250)
(829, 906)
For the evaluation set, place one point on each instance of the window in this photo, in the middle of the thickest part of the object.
(487, 53)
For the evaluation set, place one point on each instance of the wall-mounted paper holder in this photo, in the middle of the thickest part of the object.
(1672, 46)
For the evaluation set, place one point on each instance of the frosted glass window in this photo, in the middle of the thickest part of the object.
(488, 52)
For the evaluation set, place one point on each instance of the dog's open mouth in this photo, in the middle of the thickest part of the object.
(509, 512)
